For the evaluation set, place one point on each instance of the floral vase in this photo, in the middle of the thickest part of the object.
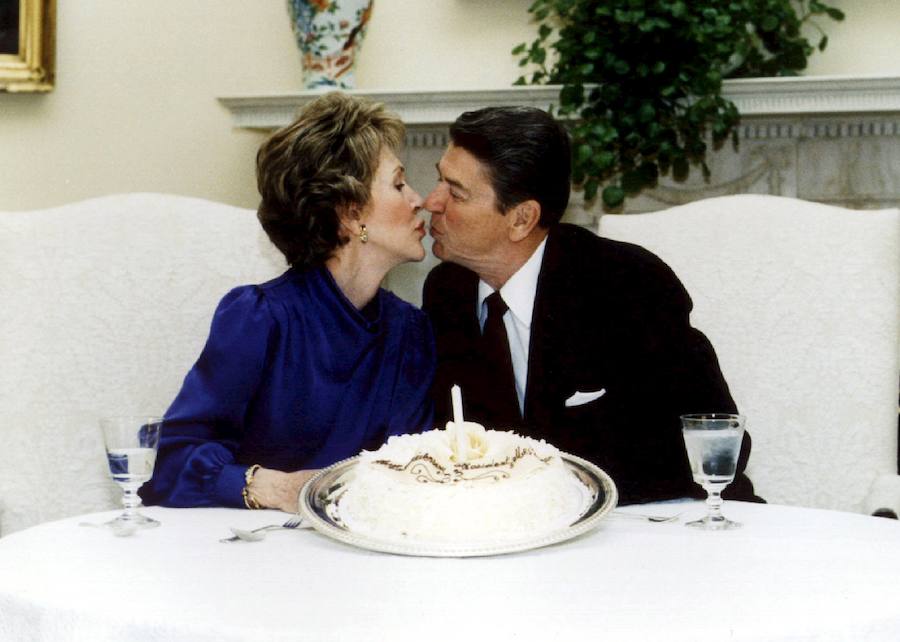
(329, 34)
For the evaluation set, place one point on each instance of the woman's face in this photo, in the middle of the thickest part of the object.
(390, 216)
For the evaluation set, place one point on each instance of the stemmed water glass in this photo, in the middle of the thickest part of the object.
(713, 442)
(131, 444)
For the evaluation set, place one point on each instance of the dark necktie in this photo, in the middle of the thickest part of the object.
(499, 362)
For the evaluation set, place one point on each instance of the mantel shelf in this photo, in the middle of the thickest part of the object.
(754, 97)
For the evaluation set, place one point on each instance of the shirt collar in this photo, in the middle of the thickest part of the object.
(519, 290)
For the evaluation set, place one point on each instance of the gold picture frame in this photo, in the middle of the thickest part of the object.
(28, 60)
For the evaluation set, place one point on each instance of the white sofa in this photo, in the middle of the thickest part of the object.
(104, 306)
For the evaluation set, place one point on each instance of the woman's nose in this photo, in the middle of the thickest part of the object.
(416, 200)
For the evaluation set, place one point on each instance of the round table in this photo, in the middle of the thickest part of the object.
(788, 574)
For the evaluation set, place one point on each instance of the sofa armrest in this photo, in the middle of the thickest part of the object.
(883, 497)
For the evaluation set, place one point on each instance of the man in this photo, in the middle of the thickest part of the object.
(601, 356)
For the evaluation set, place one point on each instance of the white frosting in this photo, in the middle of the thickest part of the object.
(462, 484)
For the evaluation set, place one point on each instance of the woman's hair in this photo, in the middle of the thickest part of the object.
(320, 164)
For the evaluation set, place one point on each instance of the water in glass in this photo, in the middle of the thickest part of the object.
(131, 465)
(713, 455)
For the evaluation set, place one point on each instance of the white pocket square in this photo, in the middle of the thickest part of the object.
(581, 398)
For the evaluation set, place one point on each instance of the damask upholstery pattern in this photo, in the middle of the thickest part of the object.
(104, 306)
(802, 303)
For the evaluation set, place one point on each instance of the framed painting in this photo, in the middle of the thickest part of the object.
(27, 45)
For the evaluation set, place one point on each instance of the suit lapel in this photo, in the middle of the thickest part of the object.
(546, 330)
(565, 324)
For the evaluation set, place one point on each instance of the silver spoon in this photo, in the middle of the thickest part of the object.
(656, 519)
(245, 536)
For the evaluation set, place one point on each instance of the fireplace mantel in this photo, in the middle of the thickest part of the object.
(755, 98)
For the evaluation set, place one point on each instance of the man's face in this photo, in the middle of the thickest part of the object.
(466, 225)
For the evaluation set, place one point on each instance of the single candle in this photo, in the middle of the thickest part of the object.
(459, 435)
(456, 398)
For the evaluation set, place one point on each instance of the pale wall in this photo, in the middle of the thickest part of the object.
(134, 108)
(866, 42)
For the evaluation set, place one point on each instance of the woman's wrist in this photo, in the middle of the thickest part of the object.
(276, 489)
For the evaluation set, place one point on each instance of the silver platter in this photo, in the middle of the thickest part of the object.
(320, 503)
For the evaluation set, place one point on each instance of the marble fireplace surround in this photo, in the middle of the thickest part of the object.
(829, 139)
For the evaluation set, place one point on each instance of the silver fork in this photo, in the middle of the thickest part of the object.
(255, 535)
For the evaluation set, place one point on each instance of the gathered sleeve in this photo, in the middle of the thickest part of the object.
(203, 427)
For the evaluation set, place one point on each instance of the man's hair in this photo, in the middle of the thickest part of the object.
(324, 161)
(526, 154)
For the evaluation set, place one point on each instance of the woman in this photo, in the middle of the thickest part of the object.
(314, 366)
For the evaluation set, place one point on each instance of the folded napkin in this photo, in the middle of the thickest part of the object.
(581, 398)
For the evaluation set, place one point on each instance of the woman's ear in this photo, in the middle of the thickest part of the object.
(522, 219)
(349, 217)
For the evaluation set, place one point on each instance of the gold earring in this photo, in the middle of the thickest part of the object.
(363, 234)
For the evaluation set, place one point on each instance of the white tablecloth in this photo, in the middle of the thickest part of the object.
(788, 574)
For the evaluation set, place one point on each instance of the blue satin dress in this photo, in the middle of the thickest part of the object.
(292, 377)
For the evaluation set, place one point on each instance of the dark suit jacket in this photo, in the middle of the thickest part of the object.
(607, 315)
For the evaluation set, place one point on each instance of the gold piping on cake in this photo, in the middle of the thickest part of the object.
(428, 470)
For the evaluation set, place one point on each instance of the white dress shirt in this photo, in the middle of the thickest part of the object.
(518, 292)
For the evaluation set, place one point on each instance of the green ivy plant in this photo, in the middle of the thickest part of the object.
(642, 79)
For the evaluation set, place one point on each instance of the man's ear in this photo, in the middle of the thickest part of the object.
(523, 218)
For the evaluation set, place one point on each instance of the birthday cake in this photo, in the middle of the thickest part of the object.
(462, 484)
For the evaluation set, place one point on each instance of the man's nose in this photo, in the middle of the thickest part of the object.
(434, 202)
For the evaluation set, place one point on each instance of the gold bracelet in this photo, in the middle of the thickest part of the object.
(249, 500)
